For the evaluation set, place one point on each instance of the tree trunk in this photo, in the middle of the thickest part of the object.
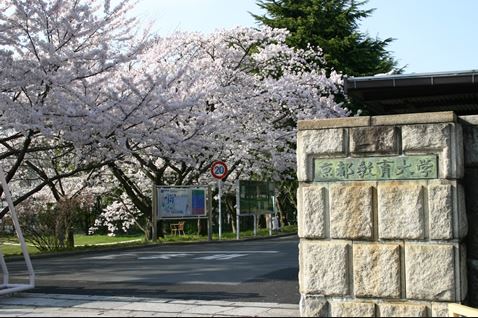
(161, 228)
(60, 233)
(232, 211)
(70, 238)
(202, 227)
(233, 223)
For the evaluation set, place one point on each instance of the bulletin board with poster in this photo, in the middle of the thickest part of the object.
(182, 202)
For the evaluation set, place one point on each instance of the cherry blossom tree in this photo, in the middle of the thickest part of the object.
(244, 90)
(61, 90)
(82, 89)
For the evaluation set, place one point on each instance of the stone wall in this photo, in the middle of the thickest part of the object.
(382, 247)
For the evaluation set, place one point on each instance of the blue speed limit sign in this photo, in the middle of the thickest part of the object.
(219, 170)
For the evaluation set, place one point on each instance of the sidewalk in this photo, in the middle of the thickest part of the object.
(55, 305)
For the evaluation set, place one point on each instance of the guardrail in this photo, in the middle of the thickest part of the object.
(6, 287)
(457, 310)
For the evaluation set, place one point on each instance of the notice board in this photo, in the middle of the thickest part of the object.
(256, 197)
(181, 202)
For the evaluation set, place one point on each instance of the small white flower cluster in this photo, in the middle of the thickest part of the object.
(120, 214)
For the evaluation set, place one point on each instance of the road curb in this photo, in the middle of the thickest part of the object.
(147, 245)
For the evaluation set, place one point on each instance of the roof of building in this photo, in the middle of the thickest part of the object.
(416, 93)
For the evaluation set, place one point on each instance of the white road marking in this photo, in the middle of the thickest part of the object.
(162, 256)
(168, 255)
(222, 257)
(111, 256)
(208, 283)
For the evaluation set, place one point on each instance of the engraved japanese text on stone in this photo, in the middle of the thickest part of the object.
(376, 168)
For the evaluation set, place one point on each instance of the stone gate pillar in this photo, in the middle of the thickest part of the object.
(381, 215)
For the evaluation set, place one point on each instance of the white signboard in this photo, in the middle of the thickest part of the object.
(177, 202)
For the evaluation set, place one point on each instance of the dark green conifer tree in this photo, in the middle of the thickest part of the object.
(332, 25)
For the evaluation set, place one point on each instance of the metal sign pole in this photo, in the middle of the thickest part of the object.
(273, 215)
(261, 211)
(255, 224)
(238, 209)
(209, 214)
(270, 224)
(154, 213)
(219, 184)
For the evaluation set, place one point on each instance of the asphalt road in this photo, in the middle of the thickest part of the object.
(251, 271)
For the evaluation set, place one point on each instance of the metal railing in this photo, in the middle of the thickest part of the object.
(6, 287)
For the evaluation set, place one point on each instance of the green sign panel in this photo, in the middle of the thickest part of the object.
(376, 168)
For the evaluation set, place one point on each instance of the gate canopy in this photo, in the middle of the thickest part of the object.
(416, 93)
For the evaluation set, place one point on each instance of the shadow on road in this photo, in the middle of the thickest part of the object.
(194, 292)
(285, 274)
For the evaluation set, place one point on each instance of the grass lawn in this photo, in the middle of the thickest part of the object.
(16, 250)
(9, 245)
